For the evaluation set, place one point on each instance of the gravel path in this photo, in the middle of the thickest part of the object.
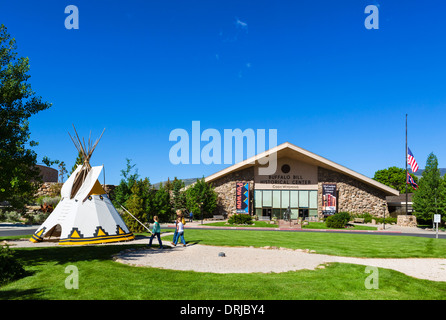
(248, 259)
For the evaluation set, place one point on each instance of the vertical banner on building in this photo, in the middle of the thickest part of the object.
(329, 201)
(242, 197)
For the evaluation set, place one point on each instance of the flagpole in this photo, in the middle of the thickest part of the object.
(406, 171)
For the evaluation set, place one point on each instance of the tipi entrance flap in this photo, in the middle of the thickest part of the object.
(65, 192)
(89, 183)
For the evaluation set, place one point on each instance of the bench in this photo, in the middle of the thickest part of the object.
(358, 220)
(218, 217)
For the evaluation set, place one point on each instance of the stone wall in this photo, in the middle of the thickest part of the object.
(353, 196)
(225, 188)
(48, 189)
(406, 221)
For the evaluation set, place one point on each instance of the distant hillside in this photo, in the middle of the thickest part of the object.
(186, 182)
(420, 172)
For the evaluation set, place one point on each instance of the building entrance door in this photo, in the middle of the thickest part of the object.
(303, 213)
(266, 212)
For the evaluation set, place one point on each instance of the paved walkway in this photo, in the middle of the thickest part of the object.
(10, 229)
(380, 228)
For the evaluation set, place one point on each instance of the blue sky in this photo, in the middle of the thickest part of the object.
(309, 69)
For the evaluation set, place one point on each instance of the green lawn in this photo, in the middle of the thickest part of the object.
(102, 278)
(340, 244)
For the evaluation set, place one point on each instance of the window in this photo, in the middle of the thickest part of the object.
(294, 199)
(285, 199)
(303, 199)
(276, 198)
(277, 201)
(258, 198)
(267, 198)
(313, 199)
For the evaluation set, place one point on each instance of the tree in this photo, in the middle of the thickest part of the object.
(124, 190)
(160, 204)
(137, 205)
(178, 196)
(430, 197)
(62, 171)
(395, 178)
(48, 162)
(201, 196)
(19, 176)
(79, 161)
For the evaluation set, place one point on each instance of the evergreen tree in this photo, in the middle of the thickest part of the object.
(62, 171)
(79, 161)
(124, 190)
(201, 198)
(160, 204)
(19, 176)
(178, 196)
(135, 205)
(430, 198)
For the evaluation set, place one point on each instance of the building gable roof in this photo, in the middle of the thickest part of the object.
(292, 151)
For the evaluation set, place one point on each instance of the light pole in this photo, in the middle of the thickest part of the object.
(384, 221)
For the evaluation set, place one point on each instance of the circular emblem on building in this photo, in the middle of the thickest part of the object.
(285, 168)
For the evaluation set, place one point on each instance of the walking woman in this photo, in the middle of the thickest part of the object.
(180, 227)
(156, 231)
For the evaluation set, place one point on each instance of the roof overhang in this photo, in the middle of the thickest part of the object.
(294, 152)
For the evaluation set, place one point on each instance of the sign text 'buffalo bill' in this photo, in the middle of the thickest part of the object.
(329, 199)
(242, 197)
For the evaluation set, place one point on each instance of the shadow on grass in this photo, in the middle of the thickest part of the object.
(34, 256)
(33, 294)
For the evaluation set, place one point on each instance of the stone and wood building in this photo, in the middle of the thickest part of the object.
(301, 184)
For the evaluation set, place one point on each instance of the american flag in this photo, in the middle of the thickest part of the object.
(411, 161)
(411, 181)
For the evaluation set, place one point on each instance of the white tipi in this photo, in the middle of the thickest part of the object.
(85, 214)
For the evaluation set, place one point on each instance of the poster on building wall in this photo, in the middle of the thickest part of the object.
(242, 197)
(329, 201)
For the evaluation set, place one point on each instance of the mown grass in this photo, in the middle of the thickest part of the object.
(101, 278)
(340, 244)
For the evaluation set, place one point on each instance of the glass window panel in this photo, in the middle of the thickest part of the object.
(267, 198)
(313, 212)
(313, 199)
(303, 199)
(258, 212)
(294, 213)
(285, 199)
(277, 213)
(258, 198)
(294, 203)
(276, 199)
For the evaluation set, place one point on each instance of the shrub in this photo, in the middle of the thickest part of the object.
(241, 218)
(10, 268)
(48, 200)
(10, 216)
(366, 216)
(338, 220)
(36, 217)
